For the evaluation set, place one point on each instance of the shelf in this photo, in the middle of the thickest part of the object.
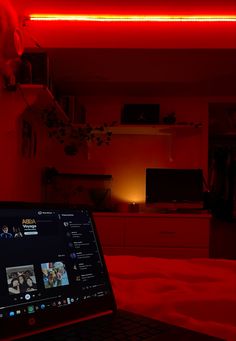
(102, 177)
(153, 129)
(227, 134)
(39, 97)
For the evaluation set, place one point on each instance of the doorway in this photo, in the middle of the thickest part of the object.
(222, 159)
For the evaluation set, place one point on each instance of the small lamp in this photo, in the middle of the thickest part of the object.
(133, 207)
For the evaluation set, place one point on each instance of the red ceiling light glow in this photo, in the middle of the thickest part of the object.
(133, 18)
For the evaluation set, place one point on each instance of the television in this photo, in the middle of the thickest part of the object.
(176, 186)
(140, 114)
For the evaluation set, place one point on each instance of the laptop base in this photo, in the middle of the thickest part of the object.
(122, 326)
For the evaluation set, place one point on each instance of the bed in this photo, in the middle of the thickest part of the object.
(199, 294)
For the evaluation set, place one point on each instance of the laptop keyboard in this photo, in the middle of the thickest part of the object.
(121, 327)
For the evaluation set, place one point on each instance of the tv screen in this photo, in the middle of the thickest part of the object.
(140, 114)
(174, 185)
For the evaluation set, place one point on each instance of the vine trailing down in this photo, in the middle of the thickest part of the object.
(74, 136)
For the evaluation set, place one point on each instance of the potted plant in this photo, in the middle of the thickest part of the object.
(74, 136)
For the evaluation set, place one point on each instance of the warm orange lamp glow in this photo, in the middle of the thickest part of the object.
(133, 18)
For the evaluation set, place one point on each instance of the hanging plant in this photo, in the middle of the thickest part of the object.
(75, 136)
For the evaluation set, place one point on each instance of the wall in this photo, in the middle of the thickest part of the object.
(20, 175)
(127, 157)
(132, 35)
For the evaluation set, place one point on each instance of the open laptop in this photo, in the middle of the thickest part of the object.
(54, 284)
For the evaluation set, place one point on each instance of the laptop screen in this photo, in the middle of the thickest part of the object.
(52, 268)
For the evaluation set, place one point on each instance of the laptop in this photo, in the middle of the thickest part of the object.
(54, 281)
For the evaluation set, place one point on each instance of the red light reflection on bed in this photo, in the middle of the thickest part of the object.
(199, 294)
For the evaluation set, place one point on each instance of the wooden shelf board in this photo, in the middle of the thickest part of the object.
(152, 129)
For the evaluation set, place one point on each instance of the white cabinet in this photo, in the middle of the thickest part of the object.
(158, 235)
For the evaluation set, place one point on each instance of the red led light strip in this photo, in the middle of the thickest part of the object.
(133, 18)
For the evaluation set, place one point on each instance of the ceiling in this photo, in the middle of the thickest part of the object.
(143, 71)
(128, 35)
(124, 6)
(136, 58)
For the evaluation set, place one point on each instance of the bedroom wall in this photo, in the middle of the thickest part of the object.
(127, 157)
(20, 171)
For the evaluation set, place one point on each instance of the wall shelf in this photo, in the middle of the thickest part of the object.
(154, 129)
(39, 97)
(102, 177)
(44, 98)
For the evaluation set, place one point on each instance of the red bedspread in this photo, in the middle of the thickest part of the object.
(199, 294)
